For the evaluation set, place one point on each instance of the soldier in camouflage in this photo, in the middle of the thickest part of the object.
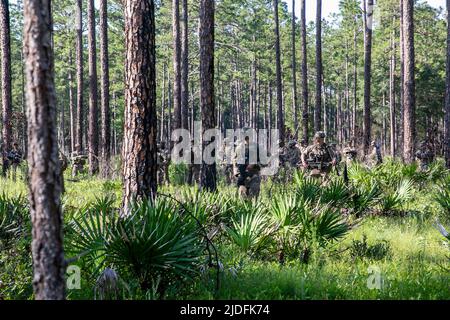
(78, 163)
(350, 154)
(14, 158)
(425, 155)
(163, 163)
(319, 158)
(226, 157)
(374, 158)
(247, 173)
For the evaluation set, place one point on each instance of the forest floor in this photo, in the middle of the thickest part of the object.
(383, 257)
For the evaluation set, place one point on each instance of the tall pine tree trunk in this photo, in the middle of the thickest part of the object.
(79, 54)
(6, 93)
(294, 75)
(185, 67)
(409, 85)
(305, 114)
(207, 102)
(93, 96)
(176, 64)
(140, 130)
(319, 71)
(280, 113)
(44, 167)
(368, 18)
(71, 105)
(106, 117)
(392, 96)
(447, 94)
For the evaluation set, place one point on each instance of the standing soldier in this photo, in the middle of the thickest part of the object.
(163, 163)
(319, 158)
(425, 155)
(374, 159)
(78, 163)
(226, 157)
(350, 154)
(15, 157)
(246, 172)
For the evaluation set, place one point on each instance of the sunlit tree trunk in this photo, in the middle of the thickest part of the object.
(409, 85)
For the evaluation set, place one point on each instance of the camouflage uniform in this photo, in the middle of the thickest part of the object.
(291, 154)
(350, 154)
(319, 158)
(14, 158)
(226, 157)
(163, 164)
(78, 163)
(247, 174)
(425, 156)
(374, 158)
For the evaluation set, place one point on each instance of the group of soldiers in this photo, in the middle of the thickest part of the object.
(316, 160)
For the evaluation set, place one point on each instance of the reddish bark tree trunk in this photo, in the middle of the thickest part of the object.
(140, 131)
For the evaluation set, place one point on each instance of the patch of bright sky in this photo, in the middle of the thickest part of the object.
(332, 6)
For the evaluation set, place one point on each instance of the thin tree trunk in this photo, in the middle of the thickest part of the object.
(318, 109)
(305, 114)
(44, 168)
(93, 98)
(140, 131)
(402, 80)
(409, 85)
(392, 96)
(368, 17)
(206, 33)
(280, 113)
(176, 64)
(185, 67)
(71, 106)
(106, 117)
(294, 75)
(79, 54)
(447, 95)
(355, 83)
(6, 93)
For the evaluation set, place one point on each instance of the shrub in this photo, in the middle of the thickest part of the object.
(379, 251)
(392, 200)
(153, 242)
(250, 229)
(178, 173)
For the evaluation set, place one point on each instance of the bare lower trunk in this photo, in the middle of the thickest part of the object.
(368, 16)
(409, 85)
(207, 102)
(280, 113)
(44, 167)
(318, 109)
(6, 93)
(305, 115)
(80, 111)
(447, 94)
(93, 98)
(140, 131)
(106, 118)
